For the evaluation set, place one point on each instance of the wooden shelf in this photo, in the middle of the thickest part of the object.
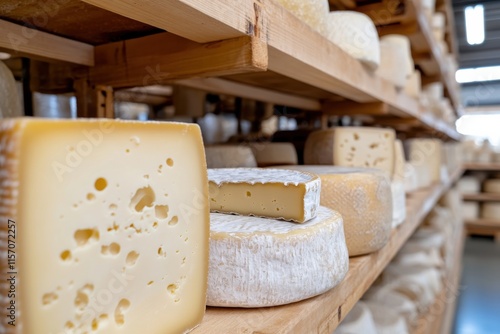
(487, 227)
(323, 313)
(482, 197)
(482, 166)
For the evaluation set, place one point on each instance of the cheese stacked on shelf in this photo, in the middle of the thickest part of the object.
(251, 257)
(356, 34)
(10, 103)
(120, 216)
(398, 185)
(492, 186)
(229, 156)
(491, 210)
(363, 197)
(312, 12)
(358, 320)
(396, 63)
(273, 154)
(469, 185)
(426, 156)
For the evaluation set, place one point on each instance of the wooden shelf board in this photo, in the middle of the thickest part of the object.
(481, 197)
(482, 166)
(323, 313)
(484, 223)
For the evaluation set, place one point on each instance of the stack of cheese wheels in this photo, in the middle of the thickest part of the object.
(312, 12)
(10, 103)
(116, 242)
(267, 228)
(363, 198)
(272, 154)
(396, 63)
(356, 34)
(229, 156)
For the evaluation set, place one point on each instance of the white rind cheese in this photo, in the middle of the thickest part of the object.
(356, 34)
(229, 156)
(258, 262)
(358, 320)
(112, 225)
(364, 199)
(274, 193)
(492, 186)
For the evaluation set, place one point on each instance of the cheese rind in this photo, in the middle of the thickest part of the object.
(312, 12)
(91, 197)
(272, 154)
(259, 262)
(398, 203)
(10, 105)
(363, 197)
(229, 156)
(273, 193)
(492, 186)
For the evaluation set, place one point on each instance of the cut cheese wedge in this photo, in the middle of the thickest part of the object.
(258, 262)
(363, 198)
(112, 225)
(272, 193)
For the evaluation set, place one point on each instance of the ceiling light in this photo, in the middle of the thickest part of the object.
(474, 24)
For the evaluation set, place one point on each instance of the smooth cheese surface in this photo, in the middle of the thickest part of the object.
(413, 85)
(312, 12)
(319, 147)
(399, 161)
(469, 185)
(402, 42)
(258, 262)
(392, 64)
(113, 224)
(492, 186)
(273, 193)
(272, 154)
(356, 34)
(229, 156)
(364, 199)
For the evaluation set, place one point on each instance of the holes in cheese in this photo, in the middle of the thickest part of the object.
(112, 249)
(132, 258)
(121, 308)
(86, 236)
(144, 197)
(101, 184)
(288, 195)
(49, 298)
(161, 211)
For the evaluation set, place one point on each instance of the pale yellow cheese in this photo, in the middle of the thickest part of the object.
(426, 153)
(229, 156)
(273, 193)
(272, 154)
(112, 225)
(491, 210)
(364, 199)
(312, 12)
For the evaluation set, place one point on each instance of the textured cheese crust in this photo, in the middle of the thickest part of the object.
(258, 262)
(312, 12)
(363, 197)
(272, 193)
(492, 186)
(356, 34)
(272, 154)
(112, 225)
(10, 105)
(229, 156)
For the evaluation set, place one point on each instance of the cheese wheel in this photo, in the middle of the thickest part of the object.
(274, 193)
(272, 154)
(312, 12)
(356, 34)
(358, 320)
(398, 203)
(258, 262)
(470, 210)
(10, 105)
(492, 186)
(491, 210)
(396, 63)
(426, 154)
(364, 199)
(229, 156)
(413, 86)
(397, 302)
(469, 185)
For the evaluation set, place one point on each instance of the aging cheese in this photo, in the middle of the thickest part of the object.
(398, 202)
(356, 34)
(469, 185)
(272, 154)
(312, 12)
(363, 198)
(399, 161)
(413, 85)
(470, 210)
(229, 156)
(258, 262)
(492, 186)
(397, 302)
(387, 320)
(358, 320)
(491, 210)
(396, 63)
(120, 215)
(10, 105)
(273, 193)
(427, 153)
(352, 147)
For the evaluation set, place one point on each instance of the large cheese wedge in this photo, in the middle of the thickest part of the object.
(358, 320)
(257, 262)
(363, 198)
(352, 147)
(274, 193)
(10, 105)
(229, 156)
(272, 154)
(491, 210)
(312, 12)
(426, 153)
(111, 224)
(356, 34)
(492, 186)
(469, 185)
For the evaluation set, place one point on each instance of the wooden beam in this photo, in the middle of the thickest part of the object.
(349, 108)
(20, 40)
(221, 86)
(93, 101)
(163, 58)
(200, 21)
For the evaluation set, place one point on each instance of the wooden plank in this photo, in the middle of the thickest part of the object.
(323, 313)
(93, 101)
(482, 166)
(200, 21)
(354, 108)
(163, 58)
(221, 86)
(23, 41)
(482, 197)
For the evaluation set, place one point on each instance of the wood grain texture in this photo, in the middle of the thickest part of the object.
(323, 313)
(482, 197)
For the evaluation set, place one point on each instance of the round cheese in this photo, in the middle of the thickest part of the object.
(229, 156)
(358, 320)
(492, 186)
(312, 12)
(364, 199)
(272, 154)
(10, 104)
(396, 64)
(491, 210)
(356, 34)
(397, 302)
(470, 210)
(258, 262)
(469, 185)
